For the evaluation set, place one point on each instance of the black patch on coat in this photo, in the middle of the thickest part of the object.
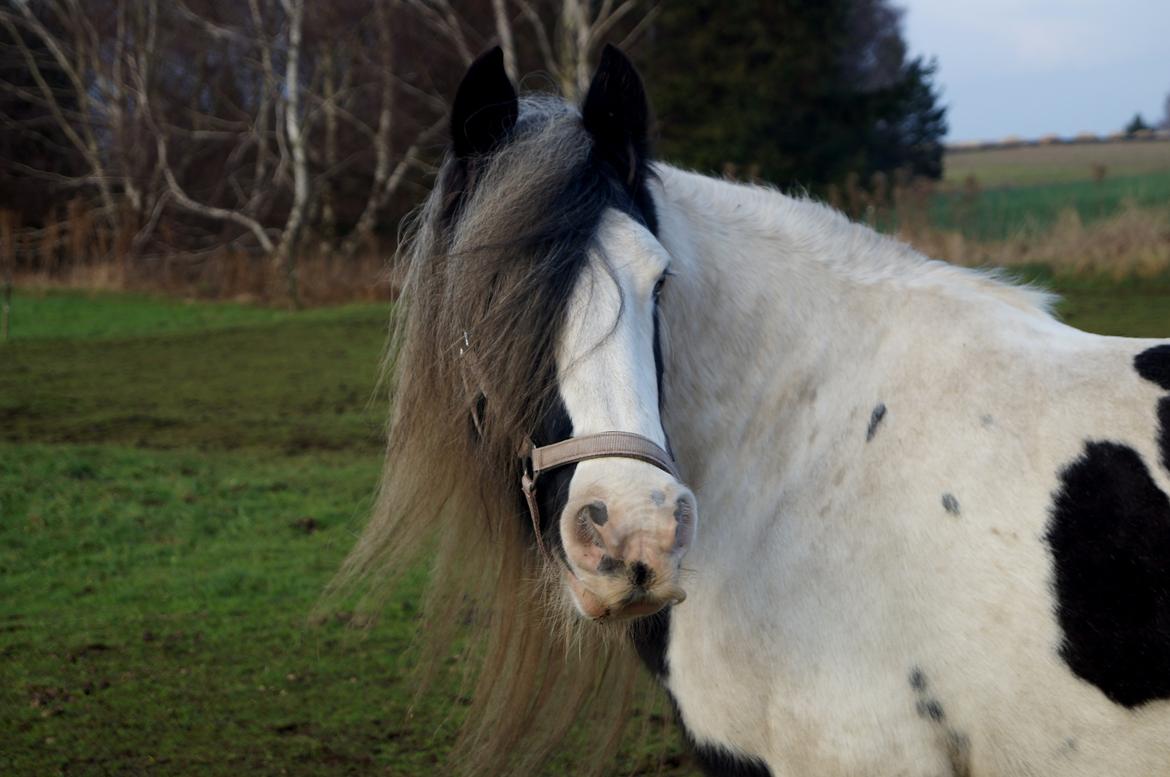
(950, 504)
(718, 762)
(875, 419)
(1164, 431)
(650, 636)
(552, 489)
(657, 354)
(1109, 534)
(1153, 364)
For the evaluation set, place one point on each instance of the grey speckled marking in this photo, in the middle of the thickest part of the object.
(658, 498)
(609, 565)
(930, 708)
(875, 420)
(955, 744)
(950, 504)
(987, 420)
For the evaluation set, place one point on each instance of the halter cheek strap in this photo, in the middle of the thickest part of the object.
(621, 445)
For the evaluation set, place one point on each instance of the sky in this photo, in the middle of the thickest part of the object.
(1038, 67)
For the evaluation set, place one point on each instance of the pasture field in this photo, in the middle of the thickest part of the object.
(1033, 210)
(1056, 163)
(177, 484)
(1025, 190)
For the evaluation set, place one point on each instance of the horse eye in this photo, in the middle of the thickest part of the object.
(658, 286)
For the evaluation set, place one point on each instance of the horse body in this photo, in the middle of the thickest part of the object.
(876, 442)
(925, 524)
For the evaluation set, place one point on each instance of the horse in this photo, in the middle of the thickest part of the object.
(857, 511)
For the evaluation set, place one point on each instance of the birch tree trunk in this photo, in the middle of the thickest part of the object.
(285, 255)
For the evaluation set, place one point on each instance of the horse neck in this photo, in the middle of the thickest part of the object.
(777, 301)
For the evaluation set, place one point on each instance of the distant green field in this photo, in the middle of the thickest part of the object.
(174, 497)
(994, 214)
(1056, 163)
(1024, 189)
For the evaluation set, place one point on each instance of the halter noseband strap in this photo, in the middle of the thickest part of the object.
(623, 445)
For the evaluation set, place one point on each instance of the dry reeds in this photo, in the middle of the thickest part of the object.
(72, 254)
(1133, 242)
(74, 248)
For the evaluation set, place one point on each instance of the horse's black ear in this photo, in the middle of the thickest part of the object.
(485, 108)
(617, 114)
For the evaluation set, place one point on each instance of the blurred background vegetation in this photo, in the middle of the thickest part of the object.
(185, 456)
(270, 148)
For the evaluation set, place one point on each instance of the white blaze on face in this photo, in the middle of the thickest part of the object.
(605, 360)
(626, 523)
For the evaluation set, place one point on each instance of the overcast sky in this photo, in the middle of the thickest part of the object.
(1034, 67)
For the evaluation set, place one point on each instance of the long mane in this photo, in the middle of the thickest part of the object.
(489, 275)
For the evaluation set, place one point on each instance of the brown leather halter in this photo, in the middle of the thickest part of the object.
(535, 461)
(623, 445)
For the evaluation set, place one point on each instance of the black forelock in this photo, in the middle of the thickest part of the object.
(574, 211)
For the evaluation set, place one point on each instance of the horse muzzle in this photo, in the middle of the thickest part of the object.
(626, 525)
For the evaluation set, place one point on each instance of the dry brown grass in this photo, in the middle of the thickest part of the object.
(74, 253)
(322, 279)
(74, 249)
(1134, 242)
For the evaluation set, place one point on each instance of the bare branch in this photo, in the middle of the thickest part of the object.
(209, 211)
(504, 33)
(542, 39)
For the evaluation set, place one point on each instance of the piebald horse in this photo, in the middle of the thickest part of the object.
(864, 513)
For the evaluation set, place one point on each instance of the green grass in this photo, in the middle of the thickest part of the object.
(172, 501)
(300, 382)
(46, 314)
(172, 504)
(1026, 188)
(999, 213)
(154, 619)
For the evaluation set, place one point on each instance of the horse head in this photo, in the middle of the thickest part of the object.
(599, 490)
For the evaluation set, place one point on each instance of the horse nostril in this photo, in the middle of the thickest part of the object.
(639, 573)
(595, 512)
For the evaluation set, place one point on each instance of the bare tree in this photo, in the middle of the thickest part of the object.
(75, 76)
(389, 172)
(301, 92)
(260, 126)
(579, 28)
